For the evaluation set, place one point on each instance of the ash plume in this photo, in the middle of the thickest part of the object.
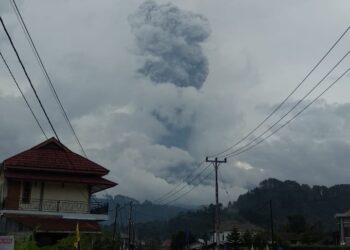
(169, 40)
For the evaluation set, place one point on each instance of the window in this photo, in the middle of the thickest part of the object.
(26, 191)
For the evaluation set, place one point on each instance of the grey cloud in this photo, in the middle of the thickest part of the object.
(4, 7)
(169, 39)
(15, 117)
(149, 135)
(314, 149)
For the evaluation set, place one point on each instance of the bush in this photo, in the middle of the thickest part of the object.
(316, 248)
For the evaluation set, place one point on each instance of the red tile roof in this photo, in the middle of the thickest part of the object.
(52, 155)
(54, 224)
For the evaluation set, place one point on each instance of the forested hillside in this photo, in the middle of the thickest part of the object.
(316, 203)
(142, 212)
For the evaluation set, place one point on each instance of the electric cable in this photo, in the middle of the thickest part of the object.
(285, 99)
(190, 190)
(185, 184)
(236, 152)
(291, 119)
(294, 106)
(22, 94)
(223, 184)
(162, 197)
(28, 78)
(43, 69)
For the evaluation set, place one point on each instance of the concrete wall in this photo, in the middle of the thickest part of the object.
(57, 196)
(69, 192)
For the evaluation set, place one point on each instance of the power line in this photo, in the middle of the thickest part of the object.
(236, 152)
(268, 117)
(138, 212)
(294, 106)
(190, 190)
(43, 69)
(169, 193)
(29, 80)
(285, 99)
(291, 119)
(224, 186)
(305, 96)
(185, 185)
(22, 94)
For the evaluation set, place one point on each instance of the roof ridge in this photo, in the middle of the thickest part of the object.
(51, 140)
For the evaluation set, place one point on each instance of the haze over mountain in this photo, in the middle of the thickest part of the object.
(315, 203)
(142, 211)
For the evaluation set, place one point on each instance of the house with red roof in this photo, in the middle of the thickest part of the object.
(48, 189)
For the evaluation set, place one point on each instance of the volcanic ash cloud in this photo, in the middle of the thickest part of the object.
(168, 39)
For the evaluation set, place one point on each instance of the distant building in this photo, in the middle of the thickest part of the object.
(166, 245)
(344, 227)
(48, 189)
(226, 229)
(197, 245)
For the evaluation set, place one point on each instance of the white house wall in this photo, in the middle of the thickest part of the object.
(57, 196)
(68, 192)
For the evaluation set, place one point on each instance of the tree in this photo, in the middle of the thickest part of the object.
(247, 238)
(260, 239)
(180, 239)
(234, 241)
(296, 223)
(313, 234)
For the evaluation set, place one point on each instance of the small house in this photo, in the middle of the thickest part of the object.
(48, 189)
(344, 227)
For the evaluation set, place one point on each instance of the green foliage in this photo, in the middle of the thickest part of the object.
(314, 234)
(247, 238)
(87, 242)
(296, 223)
(234, 241)
(296, 208)
(260, 239)
(178, 240)
(152, 244)
(156, 211)
(316, 247)
(200, 222)
(26, 243)
(317, 203)
(104, 242)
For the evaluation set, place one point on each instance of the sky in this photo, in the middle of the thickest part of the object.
(152, 87)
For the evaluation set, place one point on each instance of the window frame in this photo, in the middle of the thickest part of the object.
(26, 192)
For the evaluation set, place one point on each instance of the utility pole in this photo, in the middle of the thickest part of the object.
(129, 227)
(115, 221)
(271, 222)
(115, 225)
(216, 163)
(133, 235)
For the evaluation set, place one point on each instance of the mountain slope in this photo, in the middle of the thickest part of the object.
(142, 212)
(317, 203)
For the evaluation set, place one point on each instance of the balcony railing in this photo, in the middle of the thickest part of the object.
(64, 206)
(54, 206)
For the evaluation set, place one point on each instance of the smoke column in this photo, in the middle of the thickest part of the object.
(169, 40)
